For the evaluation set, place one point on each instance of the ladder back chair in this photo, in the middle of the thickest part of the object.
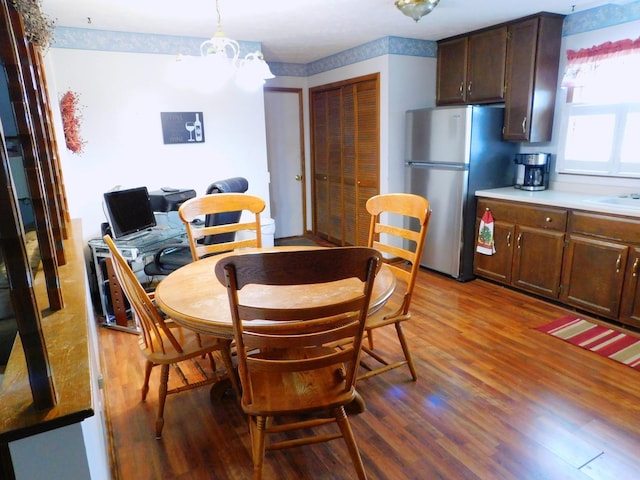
(218, 203)
(399, 244)
(173, 256)
(286, 365)
(164, 343)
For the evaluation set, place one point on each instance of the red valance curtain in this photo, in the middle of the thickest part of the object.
(613, 63)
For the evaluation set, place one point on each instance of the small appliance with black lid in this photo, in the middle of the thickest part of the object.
(532, 171)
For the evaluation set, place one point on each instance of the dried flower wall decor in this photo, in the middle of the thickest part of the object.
(37, 25)
(71, 116)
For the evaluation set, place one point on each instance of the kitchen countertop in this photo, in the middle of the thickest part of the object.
(578, 201)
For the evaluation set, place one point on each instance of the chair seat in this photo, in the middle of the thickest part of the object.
(273, 391)
(193, 345)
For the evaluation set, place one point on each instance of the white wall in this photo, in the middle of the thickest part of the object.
(122, 95)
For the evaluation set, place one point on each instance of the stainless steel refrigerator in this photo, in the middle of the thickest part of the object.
(450, 153)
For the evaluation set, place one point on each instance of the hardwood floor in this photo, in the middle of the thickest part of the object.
(495, 399)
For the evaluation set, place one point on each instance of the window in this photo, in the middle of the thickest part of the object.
(601, 121)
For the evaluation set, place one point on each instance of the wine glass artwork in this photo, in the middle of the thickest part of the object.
(190, 126)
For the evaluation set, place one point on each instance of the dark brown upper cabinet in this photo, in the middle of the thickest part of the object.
(514, 63)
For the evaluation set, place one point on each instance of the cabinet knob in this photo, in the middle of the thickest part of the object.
(635, 267)
(548, 220)
(469, 87)
(618, 263)
(461, 89)
(524, 125)
(509, 239)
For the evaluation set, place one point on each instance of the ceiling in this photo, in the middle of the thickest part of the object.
(295, 31)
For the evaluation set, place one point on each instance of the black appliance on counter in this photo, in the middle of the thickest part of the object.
(532, 171)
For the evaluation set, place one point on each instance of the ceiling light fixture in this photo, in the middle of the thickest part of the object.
(416, 9)
(220, 62)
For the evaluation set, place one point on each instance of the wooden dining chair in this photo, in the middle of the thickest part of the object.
(285, 365)
(401, 243)
(216, 204)
(175, 255)
(165, 343)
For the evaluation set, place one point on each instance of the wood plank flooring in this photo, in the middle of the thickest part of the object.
(495, 399)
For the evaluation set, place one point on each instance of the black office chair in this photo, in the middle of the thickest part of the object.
(171, 257)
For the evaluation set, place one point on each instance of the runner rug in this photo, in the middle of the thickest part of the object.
(599, 339)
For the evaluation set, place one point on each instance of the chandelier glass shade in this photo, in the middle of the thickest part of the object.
(220, 62)
(416, 9)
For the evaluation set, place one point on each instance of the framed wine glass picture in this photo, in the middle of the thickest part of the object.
(182, 127)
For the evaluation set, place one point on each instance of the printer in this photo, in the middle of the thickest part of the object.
(169, 199)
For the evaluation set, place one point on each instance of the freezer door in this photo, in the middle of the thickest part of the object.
(438, 135)
(445, 188)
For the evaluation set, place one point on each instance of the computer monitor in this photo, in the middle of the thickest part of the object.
(129, 211)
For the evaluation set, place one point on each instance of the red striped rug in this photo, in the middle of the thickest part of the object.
(599, 339)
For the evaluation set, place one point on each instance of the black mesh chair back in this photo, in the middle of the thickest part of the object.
(230, 185)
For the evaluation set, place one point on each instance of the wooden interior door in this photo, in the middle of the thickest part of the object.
(345, 158)
(285, 156)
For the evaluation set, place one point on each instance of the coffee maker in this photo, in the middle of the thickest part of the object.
(532, 171)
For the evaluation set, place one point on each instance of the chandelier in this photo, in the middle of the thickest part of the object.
(220, 62)
(416, 9)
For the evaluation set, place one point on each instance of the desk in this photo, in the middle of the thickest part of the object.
(135, 250)
(193, 297)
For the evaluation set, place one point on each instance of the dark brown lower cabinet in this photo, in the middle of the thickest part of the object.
(630, 311)
(587, 260)
(593, 275)
(529, 242)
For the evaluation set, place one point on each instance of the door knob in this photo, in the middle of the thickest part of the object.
(298, 177)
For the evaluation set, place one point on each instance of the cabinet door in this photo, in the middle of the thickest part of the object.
(452, 72)
(592, 275)
(630, 309)
(521, 57)
(533, 55)
(537, 262)
(498, 265)
(486, 66)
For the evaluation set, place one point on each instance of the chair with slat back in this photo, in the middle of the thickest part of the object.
(165, 343)
(286, 365)
(399, 244)
(216, 204)
(174, 256)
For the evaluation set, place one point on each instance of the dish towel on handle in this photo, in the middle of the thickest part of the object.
(486, 245)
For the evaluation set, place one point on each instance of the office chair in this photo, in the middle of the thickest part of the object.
(171, 257)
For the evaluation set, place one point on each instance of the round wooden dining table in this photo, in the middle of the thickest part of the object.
(194, 298)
